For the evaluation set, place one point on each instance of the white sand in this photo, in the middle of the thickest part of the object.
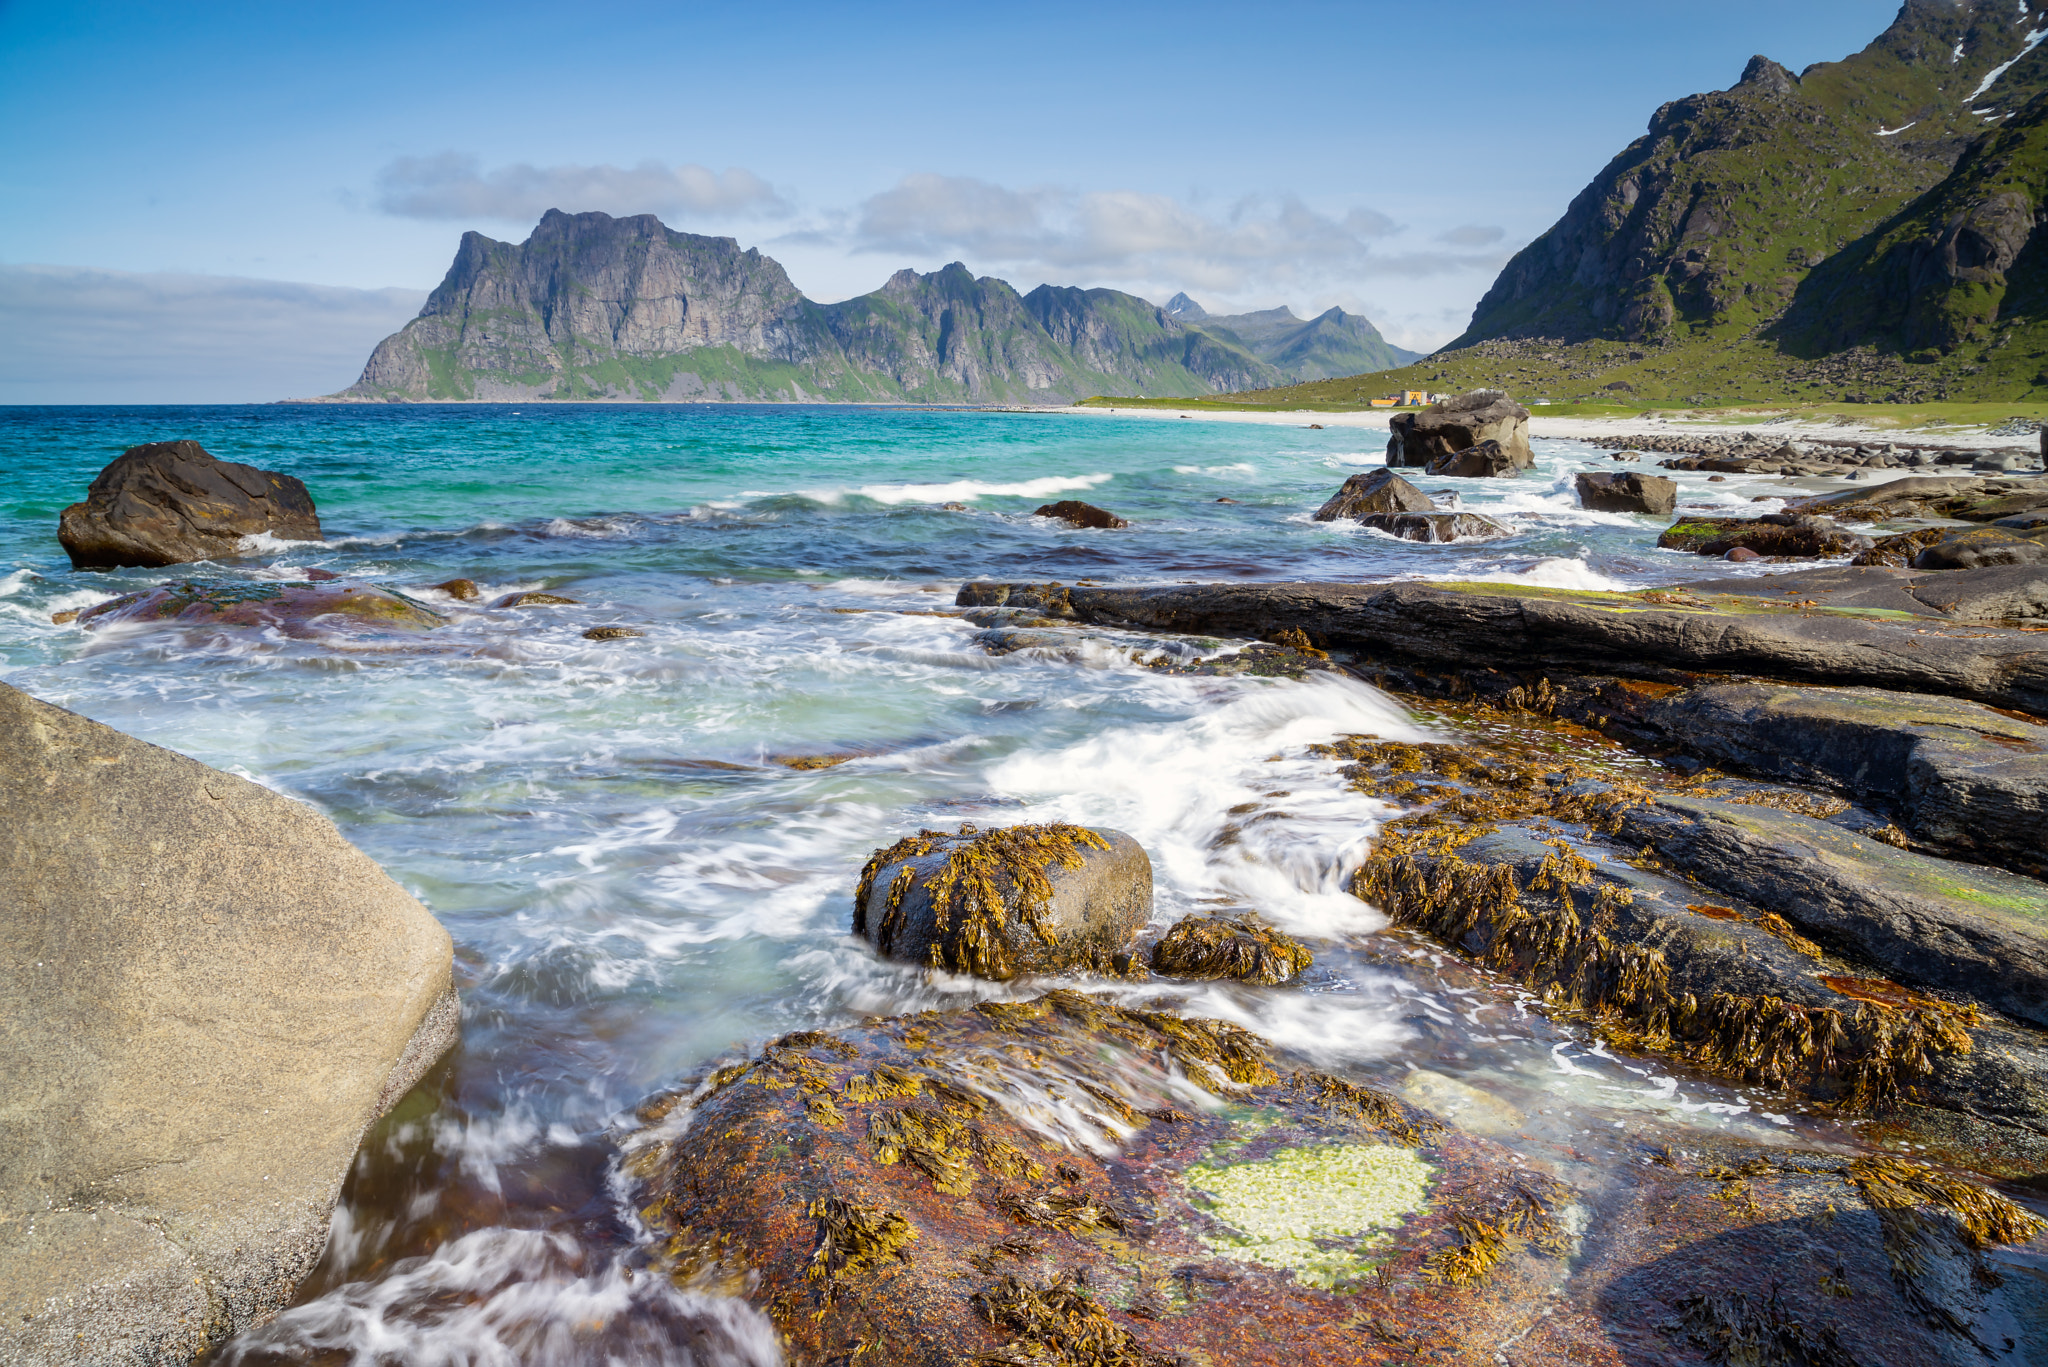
(1961, 438)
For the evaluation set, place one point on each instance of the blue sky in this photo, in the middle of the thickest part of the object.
(158, 159)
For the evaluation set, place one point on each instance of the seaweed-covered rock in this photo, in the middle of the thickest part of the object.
(1487, 460)
(1079, 514)
(997, 903)
(1070, 1183)
(1375, 491)
(1773, 534)
(1241, 947)
(170, 502)
(1897, 551)
(1979, 548)
(1438, 526)
(1029, 1182)
(1627, 493)
(1458, 424)
(339, 606)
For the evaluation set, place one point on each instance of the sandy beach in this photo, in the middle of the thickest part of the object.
(1961, 438)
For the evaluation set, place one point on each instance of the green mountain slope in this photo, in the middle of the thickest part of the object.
(1831, 234)
(1332, 343)
(593, 307)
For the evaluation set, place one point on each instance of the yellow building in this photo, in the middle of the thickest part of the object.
(1415, 397)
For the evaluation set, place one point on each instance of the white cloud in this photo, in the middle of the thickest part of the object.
(1472, 235)
(70, 335)
(452, 185)
(1255, 244)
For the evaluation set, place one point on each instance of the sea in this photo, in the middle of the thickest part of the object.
(643, 867)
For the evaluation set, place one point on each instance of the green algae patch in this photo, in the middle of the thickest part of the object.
(1312, 1211)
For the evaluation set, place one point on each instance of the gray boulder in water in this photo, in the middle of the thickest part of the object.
(206, 997)
(998, 903)
(171, 502)
(1488, 460)
(1438, 526)
(1375, 491)
(1628, 493)
(1456, 424)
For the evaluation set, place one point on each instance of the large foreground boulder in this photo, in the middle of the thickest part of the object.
(1374, 491)
(1628, 493)
(170, 502)
(206, 997)
(997, 903)
(1445, 428)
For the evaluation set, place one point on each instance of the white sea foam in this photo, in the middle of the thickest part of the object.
(507, 1297)
(1224, 803)
(268, 543)
(1557, 572)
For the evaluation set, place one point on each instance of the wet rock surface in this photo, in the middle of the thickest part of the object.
(1438, 527)
(171, 502)
(1032, 1182)
(997, 903)
(1979, 548)
(331, 607)
(1487, 460)
(1627, 493)
(1374, 491)
(1775, 534)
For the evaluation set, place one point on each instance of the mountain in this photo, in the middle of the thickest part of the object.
(596, 307)
(1860, 230)
(1331, 343)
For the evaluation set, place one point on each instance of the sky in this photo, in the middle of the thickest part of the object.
(229, 203)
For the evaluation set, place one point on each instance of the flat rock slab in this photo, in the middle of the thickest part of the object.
(1685, 631)
(1961, 777)
(1927, 922)
(206, 996)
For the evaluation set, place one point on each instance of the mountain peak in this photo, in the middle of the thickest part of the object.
(1185, 309)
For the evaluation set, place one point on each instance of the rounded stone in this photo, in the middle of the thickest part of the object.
(1005, 902)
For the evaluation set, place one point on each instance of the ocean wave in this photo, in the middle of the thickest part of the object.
(965, 490)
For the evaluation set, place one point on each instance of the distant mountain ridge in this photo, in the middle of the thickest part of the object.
(596, 307)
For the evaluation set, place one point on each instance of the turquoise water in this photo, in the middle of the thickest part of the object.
(638, 889)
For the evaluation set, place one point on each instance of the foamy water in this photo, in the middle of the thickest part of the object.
(639, 888)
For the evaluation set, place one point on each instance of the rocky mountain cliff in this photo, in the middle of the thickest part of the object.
(1857, 231)
(595, 307)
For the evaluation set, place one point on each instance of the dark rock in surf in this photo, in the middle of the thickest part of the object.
(462, 590)
(1240, 947)
(536, 600)
(1375, 491)
(1438, 527)
(1488, 460)
(170, 502)
(1627, 493)
(612, 633)
(997, 903)
(1080, 514)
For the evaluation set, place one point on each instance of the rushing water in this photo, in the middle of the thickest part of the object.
(637, 889)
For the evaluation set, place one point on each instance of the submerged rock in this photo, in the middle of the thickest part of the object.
(612, 633)
(1627, 493)
(1458, 424)
(1081, 514)
(1779, 534)
(335, 607)
(1438, 526)
(997, 903)
(1241, 947)
(462, 590)
(1487, 460)
(210, 996)
(170, 502)
(1375, 491)
(536, 600)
